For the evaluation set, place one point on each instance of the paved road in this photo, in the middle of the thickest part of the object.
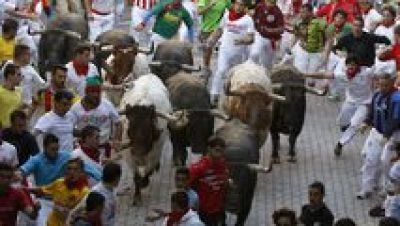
(286, 186)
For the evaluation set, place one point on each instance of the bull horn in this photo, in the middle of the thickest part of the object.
(155, 63)
(278, 98)
(219, 114)
(107, 48)
(316, 91)
(190, 67)
(166, 116)
(72, 34)
(276, 85)
(258, 168)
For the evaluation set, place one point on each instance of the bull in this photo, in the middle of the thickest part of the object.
(147, 111)
(248, 97)
(122, 60)
(58, 41)
(242, 153)
(173, 62)
(288, 116)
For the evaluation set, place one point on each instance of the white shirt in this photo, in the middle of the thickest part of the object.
(110, 205)
(191, 218)
(358, 89)
(371, 19)
(103, 117)
(61, 127)
(233, 30)
(76, 82)
(388, 32)
(103, 6)
(6, 5)
(8, 154)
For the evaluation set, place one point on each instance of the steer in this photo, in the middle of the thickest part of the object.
(147, 112)
(288, 116)
(122, 60)
(58, 41)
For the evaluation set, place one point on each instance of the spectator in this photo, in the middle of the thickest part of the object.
(182, 184)
(316, 211)
(13, 200)
(328, 10)
(388, 221)
(110, 180)
(7, 39)
(181, 214)
(345, 222)
(80, 68)
(93, 211)
(17, 135)
(284, 217)
(101, 16)
(66, 192)
(209, 177)
(58, 121)
(10, 95)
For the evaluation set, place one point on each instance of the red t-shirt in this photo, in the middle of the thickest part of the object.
(209, 179)
(13, 201)
(350, 7)
(268, 17)
(393, 54)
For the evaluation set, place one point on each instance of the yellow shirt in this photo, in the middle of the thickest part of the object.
(64, 199)
(9, 101)
(6, 49)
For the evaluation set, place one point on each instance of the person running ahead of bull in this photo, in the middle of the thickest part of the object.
(169, 15)
(209, 177)
(359, 93)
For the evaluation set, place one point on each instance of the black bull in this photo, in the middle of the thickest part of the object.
(56, 46)
(242, 148)
(188, 92)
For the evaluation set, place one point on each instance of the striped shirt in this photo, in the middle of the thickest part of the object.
(144, 4)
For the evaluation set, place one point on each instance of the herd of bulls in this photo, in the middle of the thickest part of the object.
(170, 104)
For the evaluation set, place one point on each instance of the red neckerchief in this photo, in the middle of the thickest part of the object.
(93, 153)
(175, 216)
(176, 5)
(296, 6)
(80, 69)
(338, 28)
(352, 73)
(48, 97)
(233, 15)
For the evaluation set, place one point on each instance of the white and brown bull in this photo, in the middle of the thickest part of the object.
(147, 111)
(122, 60)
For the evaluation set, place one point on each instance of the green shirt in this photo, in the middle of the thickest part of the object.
(212, 17)
(313, 34)
(168, 22)
(337, 34)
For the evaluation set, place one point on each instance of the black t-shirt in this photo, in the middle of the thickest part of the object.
(25, 144)
(323, 216)
(363, 48)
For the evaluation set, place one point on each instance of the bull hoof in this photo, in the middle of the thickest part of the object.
(137, 200)
(292, 159)
(276, 160)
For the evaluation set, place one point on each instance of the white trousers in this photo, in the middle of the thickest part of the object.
(44, 212)
(227, 58)
(100, 24)
(352, 115)
(190, 6)
(371, 168)
(142, 37)
(387, 154)
(262, 52)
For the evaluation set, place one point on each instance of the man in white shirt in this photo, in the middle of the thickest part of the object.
(8, 153)
(31, 80)
(359, 91)
(139, 9)
(370, 16)
(236, 32)
(101, 15)
(58, 121)
(79, 69)
(99, 112)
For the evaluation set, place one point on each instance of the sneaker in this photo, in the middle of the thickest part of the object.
(338, 149)
(363, 195)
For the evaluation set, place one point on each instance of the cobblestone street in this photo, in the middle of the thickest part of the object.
(287, 184)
